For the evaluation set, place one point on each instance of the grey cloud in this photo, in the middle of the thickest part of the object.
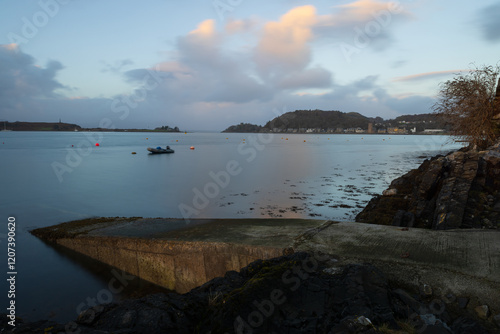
(488, 19)
(410, 105)
(352, 90)
(117, 66)
(368, 82)
(238, 89)
(214, 76)
(145, 76)
(363, 29)
(21, 78)
(308, 78)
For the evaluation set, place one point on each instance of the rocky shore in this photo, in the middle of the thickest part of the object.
(297, 293)
(459, 190)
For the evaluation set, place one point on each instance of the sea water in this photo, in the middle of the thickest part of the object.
(51, 177)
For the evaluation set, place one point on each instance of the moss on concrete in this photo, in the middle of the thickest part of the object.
(76, 228)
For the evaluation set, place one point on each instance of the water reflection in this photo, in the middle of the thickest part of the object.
(115, 285)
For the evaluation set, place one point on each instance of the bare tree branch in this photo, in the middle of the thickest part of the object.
(470, 103)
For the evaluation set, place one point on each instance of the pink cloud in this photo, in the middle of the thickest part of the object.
(427, 75)
(283, 44)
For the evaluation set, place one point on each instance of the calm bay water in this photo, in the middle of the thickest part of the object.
(45, 181)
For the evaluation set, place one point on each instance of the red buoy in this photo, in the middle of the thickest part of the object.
(192, 148)
(96, 144)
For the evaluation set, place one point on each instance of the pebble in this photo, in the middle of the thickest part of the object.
(482, 311)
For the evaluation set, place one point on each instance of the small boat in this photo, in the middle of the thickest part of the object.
(160, 150)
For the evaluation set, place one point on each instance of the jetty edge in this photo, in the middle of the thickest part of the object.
(171, 253)
(464, 264)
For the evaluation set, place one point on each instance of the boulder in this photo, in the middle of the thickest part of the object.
(459, 190)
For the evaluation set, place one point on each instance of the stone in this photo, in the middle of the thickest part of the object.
(390, 192)
(409, 303)
(449, 298)
(427, 290)
(90, 315)
(482, 311)
(364, 321)
(128, 319)
(403, 219)
(463, 302)
(434, 329)
(492, 157)
(496, 319)
(398, 218)
(466, 325)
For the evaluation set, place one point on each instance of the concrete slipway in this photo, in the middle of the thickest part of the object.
(181, 256)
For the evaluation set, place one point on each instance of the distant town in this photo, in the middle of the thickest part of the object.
(371, 129)
(320, 121)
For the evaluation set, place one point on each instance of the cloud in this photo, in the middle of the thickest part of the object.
(117, 66)
(362, 11)
(29, 92)
(216, 76)
(21, 78)
(406, 105)
(489, 22)
(308, 78)
(365, 23)
(283, 45)
(428, 75)
(204, 71)
(240, 26)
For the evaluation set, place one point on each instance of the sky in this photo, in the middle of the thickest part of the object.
(207, 64)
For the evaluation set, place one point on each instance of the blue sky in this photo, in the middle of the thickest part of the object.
(205, 65)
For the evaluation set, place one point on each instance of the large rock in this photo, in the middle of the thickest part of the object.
(459, 190)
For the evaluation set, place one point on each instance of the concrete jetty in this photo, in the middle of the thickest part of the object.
(181, 256)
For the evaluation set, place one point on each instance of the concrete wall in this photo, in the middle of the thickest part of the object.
(175, 265)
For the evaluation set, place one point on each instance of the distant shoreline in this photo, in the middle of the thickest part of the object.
(284, 133)
(69, 127)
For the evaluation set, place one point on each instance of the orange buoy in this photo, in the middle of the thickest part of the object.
(191, 148)
(134, 153)
(96, 144)
(177, 140)
(304, 141)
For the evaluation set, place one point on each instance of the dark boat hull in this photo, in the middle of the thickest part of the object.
(160, 150)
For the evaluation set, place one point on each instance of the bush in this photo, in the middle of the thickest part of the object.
(470, 104)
